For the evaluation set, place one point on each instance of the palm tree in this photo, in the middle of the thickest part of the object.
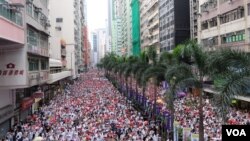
(129, 68)
(139, 69)
(155, 72)
(233, 67)
(175, 75)
(191, 54)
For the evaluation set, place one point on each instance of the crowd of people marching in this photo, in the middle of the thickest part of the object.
(92, 111)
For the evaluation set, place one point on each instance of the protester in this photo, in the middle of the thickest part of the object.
(90, 110)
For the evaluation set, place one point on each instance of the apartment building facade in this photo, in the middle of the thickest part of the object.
(149, 24)
(174, 23)
(24, 58)
(116, 24)
(126, 27)
(68, 20)
(224, 24)
(99, 44)
(194, 10)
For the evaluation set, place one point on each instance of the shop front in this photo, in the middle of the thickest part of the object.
(26, 107)
(6, 113)
(38, 97)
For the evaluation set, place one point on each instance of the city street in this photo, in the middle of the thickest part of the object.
(92, 109)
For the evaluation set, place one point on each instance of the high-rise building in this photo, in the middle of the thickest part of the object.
(116, 25)
(194, 10)
(86, 50)
(109, 28)
(224, 24)
(69, 19)
(24, 58)
(126, 27)
(174, 23)
(149, 23)
(98, 44)
(94, 49)
(135, 27)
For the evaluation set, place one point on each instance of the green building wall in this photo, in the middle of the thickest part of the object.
(135, 6)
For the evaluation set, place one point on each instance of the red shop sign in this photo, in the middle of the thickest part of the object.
(27, 102)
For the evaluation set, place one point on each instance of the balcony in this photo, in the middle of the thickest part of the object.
(242, 45)
(11, 11)
(153, 24)
(152, 3)
(38, 77)
(228, 6)
(12, 32)
(58, 76)
(38, 50)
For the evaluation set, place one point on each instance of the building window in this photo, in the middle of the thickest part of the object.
(33, 64)
(44, 65)
(29, 9)
(59, 20)
(213, 22)
(233, 37)
(43, 41)
(204, 25)
(32, 37)
(36, 13)
(232, 15)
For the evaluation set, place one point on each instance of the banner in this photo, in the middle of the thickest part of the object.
(194, 137)
(186, 134)
(176, 128)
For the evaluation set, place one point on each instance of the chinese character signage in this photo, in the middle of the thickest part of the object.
(13, 69)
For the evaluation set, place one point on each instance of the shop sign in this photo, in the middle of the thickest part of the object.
(27, 102)
(10, 70)
(38, 95)
(13, 71)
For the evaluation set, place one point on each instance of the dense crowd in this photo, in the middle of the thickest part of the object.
(187, 115)
(93, 110)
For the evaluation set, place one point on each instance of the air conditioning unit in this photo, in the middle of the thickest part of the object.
(241, 7)
(38, 9)
(29, 1)
(47, 24)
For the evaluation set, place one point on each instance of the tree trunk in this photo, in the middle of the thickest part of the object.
(201, 118)
(136, 89)
(126, 86)
(155, 93)
(143, 93)
(171, 106)
(131, 87)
